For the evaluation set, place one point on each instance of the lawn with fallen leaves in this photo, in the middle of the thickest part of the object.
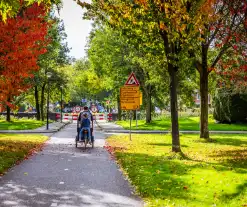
(205, 174)
(21, 124)
(16, 147)
(189, 123)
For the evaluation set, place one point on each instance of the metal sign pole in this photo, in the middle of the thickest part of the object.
(130, 124)
(61, 107)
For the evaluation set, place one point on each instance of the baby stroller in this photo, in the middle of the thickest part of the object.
(84, 139)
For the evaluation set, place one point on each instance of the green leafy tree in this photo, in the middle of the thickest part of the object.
(114, 58)
(164, 25)
(84, 82)
(56, 57)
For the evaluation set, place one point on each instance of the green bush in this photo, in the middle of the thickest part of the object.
(230, 108)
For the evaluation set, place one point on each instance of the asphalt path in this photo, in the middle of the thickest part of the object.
(65, 176)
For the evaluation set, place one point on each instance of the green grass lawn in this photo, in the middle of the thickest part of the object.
(20, 124)
(15, 147)
(185, 123)
(208, 174)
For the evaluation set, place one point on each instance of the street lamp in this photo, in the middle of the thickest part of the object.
(48, 75)
(61, 113)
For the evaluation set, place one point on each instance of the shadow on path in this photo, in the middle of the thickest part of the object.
(62, 175)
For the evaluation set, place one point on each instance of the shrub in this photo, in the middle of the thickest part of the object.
(229, 107)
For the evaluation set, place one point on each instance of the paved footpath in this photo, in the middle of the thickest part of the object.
(64, 176)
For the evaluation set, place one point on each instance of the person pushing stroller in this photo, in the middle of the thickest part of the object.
(85, 125)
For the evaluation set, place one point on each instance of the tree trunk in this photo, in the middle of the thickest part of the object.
(174, 108)
(119, 108)
(134, 114)
(42, 102)
(8, 113)
(204, 133)
(36, 95)
(149, 106)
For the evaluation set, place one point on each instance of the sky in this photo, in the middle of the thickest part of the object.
(76, 28)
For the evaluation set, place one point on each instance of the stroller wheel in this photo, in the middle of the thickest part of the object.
(85, 143)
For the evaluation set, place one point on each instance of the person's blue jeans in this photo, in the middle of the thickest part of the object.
(88, 133)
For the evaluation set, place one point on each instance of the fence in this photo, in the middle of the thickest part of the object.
(74, 116)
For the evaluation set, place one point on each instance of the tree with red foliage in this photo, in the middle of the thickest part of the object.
(225, 33)
(232, 71)
(22, 41)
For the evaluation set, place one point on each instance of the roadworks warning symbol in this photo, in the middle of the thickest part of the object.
(132, 81)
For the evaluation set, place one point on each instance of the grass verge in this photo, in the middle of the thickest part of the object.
(185, 123)
(206, 174)
(20, 124)
(16, 147)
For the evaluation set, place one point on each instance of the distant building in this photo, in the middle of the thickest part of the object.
(197, 98)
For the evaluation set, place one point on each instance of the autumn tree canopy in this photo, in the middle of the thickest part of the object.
(10, 8)
(182, 29)
(223, 39)
(170, 24)
(232, 64)
(22, 41)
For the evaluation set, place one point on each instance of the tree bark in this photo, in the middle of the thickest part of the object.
(42, 102)
(119, 108)
(8, 112)
(36, 95)
(174, 108)
(171, 49)
(148, 95)
(149, 106)
(204, 133)
(134, 115)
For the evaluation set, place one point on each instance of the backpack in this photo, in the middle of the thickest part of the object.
(85, 122)
(89, 116)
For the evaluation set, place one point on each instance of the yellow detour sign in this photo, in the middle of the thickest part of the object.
(130, 97)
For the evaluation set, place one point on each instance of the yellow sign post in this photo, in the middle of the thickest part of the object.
(130, 96)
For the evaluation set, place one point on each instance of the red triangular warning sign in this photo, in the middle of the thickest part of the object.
(132, 81)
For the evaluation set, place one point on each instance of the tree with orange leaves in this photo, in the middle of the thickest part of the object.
(171, 24)
(22, 41)
(10, 8)
(183, 28)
